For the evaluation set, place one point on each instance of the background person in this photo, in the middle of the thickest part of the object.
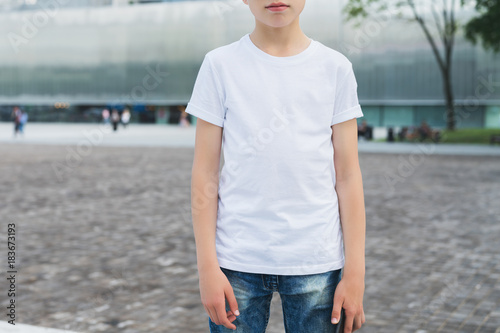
(22, 121)
(184, 121)
(115, 119)
(16, 116)
(105, 116)
(125, 118)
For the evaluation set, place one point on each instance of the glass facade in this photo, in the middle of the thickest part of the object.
(17, 5)
(100, 52)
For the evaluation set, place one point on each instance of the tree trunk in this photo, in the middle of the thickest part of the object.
(448, 92)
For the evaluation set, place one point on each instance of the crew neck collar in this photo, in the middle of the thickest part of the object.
(279, 60)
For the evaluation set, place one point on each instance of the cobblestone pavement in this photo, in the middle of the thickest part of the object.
(105, 241)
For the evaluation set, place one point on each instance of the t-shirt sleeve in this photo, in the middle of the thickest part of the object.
(346, 104)
(207, 101)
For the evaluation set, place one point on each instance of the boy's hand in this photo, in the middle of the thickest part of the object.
(214, 289)
(349, 295)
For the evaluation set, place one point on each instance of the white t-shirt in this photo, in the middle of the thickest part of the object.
(278, 211)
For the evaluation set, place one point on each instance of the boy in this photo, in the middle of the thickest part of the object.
(289, 198)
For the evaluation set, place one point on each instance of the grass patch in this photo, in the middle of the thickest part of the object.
(463, 135)
(469, 135)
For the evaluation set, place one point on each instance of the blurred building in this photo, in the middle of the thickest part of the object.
(16, 5)
(66, 60)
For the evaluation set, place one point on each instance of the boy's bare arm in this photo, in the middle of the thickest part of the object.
(349, 188)
(214, 285)
(204, 191)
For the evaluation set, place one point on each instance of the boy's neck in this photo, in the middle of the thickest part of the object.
(280, 42)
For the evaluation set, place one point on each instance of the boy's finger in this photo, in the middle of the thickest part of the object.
(218, 319)
(231, 300)
(337, 307)
(349, 319)
(223, 320)
(357, 322)
(231, 316)
(212, 315)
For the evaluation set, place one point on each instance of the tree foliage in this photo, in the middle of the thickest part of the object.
(486, 26)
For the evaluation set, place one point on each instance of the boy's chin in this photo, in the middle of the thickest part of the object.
(277, 22)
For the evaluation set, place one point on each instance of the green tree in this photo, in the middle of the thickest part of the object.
(486, 26)
(438, 23)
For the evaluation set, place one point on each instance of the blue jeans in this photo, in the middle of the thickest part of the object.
(307, 301)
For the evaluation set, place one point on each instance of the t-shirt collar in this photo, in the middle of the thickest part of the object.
(279, 60)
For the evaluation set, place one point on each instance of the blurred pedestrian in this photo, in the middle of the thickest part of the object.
(403, 134)
(390, 134)
(184, 122)
(125, 117)
(16, 115)
(22, 121)
(365, 130)
(424, 131)
(105, 116)
(115, 119)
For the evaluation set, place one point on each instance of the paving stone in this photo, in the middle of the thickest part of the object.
(109, 247)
